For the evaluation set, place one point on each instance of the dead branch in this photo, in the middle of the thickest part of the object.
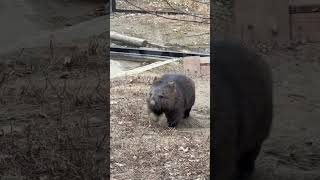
(128, 39)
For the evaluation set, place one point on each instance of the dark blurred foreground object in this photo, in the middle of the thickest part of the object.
(243, 109)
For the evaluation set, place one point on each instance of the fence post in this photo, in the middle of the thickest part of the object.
(113, 6)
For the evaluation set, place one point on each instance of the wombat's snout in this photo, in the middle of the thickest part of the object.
(155, 98)
(152, 102)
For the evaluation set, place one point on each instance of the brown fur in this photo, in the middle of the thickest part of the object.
(173, 95)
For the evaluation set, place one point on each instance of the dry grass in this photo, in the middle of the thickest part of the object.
(140, 151)
(53, 113)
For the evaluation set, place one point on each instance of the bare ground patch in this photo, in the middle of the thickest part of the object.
(292, 151)
(53, 110)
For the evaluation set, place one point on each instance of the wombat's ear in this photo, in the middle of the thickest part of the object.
(155, 80)
(172, 84)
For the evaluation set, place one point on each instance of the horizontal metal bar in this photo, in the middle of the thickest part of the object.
(147, 12)
(158, 53)
(137, 57)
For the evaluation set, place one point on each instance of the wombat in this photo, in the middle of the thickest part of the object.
(173, 95)
(243, 109)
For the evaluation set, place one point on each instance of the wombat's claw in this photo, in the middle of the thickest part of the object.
(149, 124)
(172, 125)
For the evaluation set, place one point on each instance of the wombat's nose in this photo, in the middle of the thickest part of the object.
(152, 102)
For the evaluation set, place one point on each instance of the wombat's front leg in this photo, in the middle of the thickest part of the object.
(173, 118)
(153, 117)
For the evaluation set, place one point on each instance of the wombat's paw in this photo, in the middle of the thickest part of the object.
(154, 117)
(153, 120)
(172, 124)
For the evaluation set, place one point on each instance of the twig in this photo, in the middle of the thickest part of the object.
(197, 34)
(206, 3)
(179, 10)
(149, 12)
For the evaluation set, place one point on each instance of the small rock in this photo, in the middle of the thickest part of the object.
(119, 164)
(64, 75)
(67, 61)
(135, 157)
(184, 149)
(113, 102)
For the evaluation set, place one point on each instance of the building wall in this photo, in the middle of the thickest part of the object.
(251, 20)
(262, 20)
(306, 26)
(305, 20)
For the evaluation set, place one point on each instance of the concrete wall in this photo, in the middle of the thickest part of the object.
(251, 20)
(304, 2)
(306, 26)
(262, 20)
(305, 20)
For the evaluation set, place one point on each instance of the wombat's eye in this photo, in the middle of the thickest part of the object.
(160, 96)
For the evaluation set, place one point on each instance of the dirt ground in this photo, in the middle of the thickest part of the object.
(143, 149)
(52, 101)
(20, 19)
(53, 112)
(291, 152)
